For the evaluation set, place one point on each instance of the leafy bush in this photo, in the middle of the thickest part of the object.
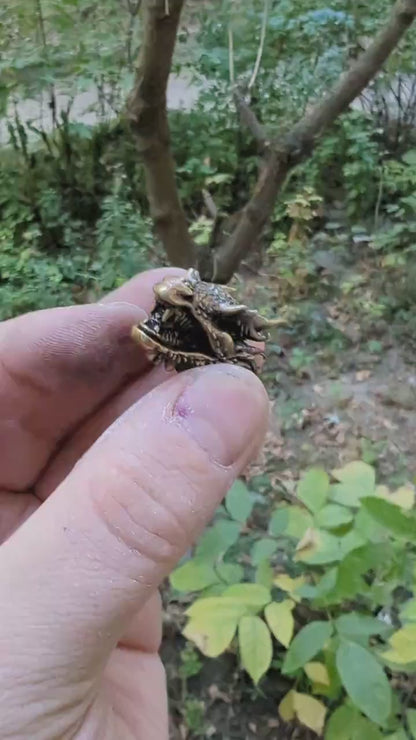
(398, 188)
(123, 239)
(326, 595)
(37, 271)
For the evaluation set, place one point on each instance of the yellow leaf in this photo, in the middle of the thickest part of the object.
(309, 543)
(310, 712)
(217, 605)
(383, 492)
(256, 647)
(286, 706)
(279, 617)
(211, 635)
(289, 585)
(403, 644)
(403, 496)
(317, 673)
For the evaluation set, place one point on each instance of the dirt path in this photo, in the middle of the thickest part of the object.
(86, 108)
(368, 412)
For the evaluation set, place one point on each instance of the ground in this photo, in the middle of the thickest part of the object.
(341, 387)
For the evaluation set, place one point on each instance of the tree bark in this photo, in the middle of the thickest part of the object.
(147, 112)
(299, 143)
(249, 119)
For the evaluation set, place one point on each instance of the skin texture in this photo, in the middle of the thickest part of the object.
(109, 470)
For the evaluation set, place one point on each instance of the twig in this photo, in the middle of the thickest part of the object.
(52, 97)
(261, 44)
(231, 55)
(379, 198)
(133, 11)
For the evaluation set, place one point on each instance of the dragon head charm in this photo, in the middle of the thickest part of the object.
(194, 323)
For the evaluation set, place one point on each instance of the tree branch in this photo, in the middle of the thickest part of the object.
(147, 112)
(250, 120)
(283, 156)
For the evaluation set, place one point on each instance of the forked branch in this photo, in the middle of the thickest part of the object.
(148, 116)
(282, 156)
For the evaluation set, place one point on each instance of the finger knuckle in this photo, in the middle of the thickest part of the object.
(141, 514)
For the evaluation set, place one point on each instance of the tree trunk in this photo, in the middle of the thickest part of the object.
(147, 112)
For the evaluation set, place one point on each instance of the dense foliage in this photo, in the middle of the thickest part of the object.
(336, 565)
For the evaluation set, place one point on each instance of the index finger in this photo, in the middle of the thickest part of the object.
(59, 365)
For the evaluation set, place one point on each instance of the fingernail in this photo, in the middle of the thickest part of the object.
(225, 409)
(137, 312)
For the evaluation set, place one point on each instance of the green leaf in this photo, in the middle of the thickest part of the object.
(391, 517)
(364, 728)
(408, 611)
(229, 572)
(313, 489)
(238, 502)
(358, 472)
(320, 548)
(364, 681)
(360, 626)
(351, 541)
(356, 564)
(265, 574)
(399, 734)
(366, 526)
(324, 586)
(333, 516)
(339, 724)
(256, 647)
(411, 721)
(262, 550)
(217, 540)
(253, 595)
(280, 619)
(347, 724)
(323, 547)
(292, 521)
(410, 157)
(307, 643)
(279, 521)
(357, 479)
(193, 576)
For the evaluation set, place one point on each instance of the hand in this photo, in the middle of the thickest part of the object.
(109, 470)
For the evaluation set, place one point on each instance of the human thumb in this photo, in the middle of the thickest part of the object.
(74, 574)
